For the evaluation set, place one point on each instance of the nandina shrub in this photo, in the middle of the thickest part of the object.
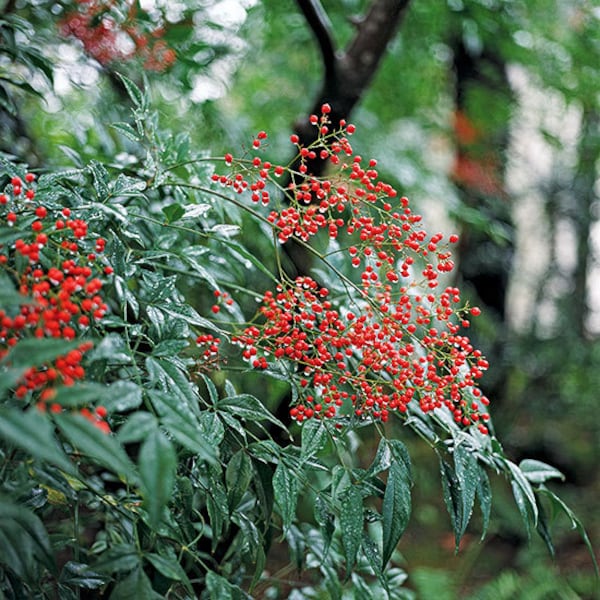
(138, 300)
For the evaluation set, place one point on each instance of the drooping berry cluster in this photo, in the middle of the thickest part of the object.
(107, 36)
(392, 338)
(54, 265)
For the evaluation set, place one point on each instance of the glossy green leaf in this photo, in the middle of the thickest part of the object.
(285, 489)
(467, 481)
(238, 476)
(138, 97)
(536, 471)
(122, 396)
(173, 212)
(157, 465)
(373, 556)
(138, 427)
(361, 589)
(325, 518)
(135, 585)
(120, 558)
(314, 437)
(383, 458)
(101, 178)
(175, 380)
(559, 505)
(187, 313)
(191, 437)
(217, 504)
(219, 588)
(263, 485)
(82, 575)
(247, 255)
(100, 447)
(33, 433)
(484, 496)
(396, 507)
(296, 542)
(169, 567)
(127, 130)
(23, 540)
(31, 352)
(248, 407)
(351, 524)
(524, 495)
(211, 427)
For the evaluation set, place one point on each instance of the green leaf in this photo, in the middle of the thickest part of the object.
(33, 352)
(373, 556)
(189, 315)
(217, 505)
(297, 547)
(101, 179)
(135, 585)
(127, 130)
(524, 495)
(351, 524)
(169, 567)
(263, 486)
(575, 522)
(173, 212)
(285, 489)
(212, 427)
(400, 453)
(120, 558)
(248, 407)
(219, 588)
(122, 396)
(382, 460)
(467, 480)
(484, 495)
(450, 493)
(82, 575)
(314, 437)
(173, 378)
(396, 507)
(325, 519)
(191, 437)
(157, 465)
(33, 432)
(23, 540)
(211, 389)
(361, 588)
(138, 98)
(137, 427)
(79, 394)
(543, 529)
(102, 448)
(244, 253)
(238, 476)
(539, 472)
(124, 185)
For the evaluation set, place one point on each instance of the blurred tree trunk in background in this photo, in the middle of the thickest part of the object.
(583, 218)
(347, 75)
(483, 108)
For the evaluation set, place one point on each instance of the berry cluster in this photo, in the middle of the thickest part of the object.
(392, 338)
(54, 265)
(108, 38)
